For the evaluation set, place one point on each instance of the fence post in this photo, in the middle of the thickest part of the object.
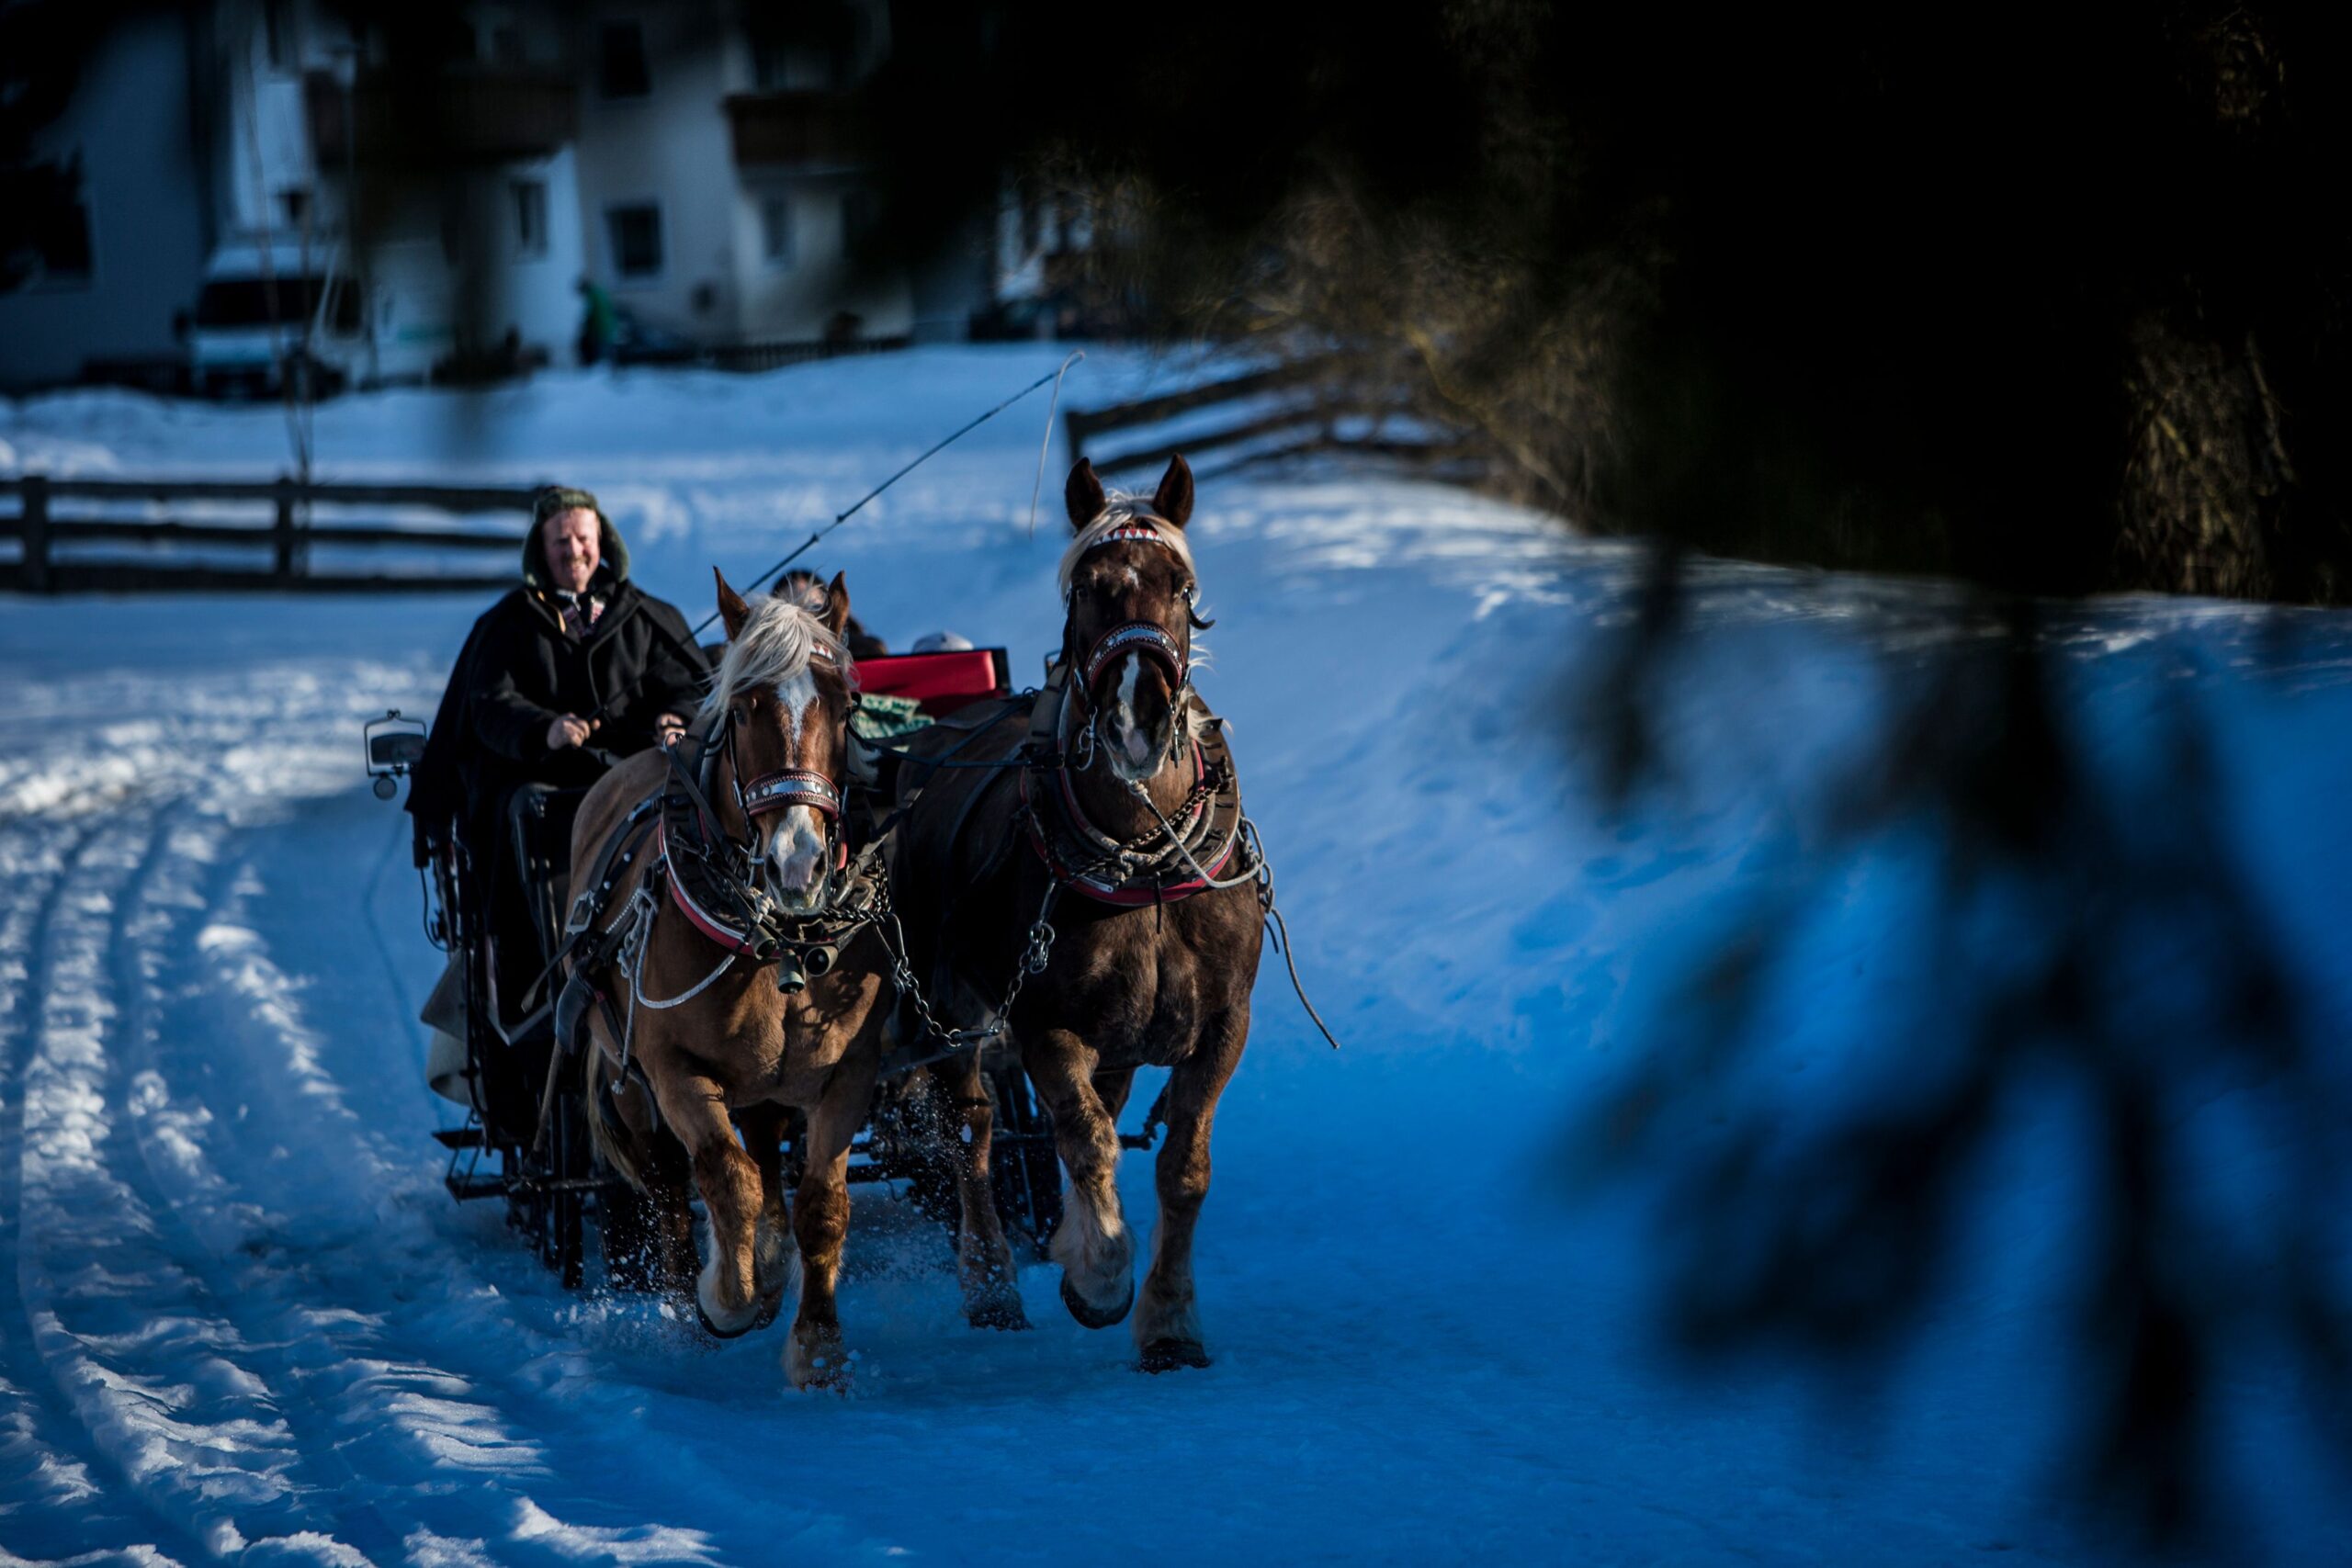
(35, 525)
(282, 532)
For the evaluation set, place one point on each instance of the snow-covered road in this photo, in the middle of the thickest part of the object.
(243, 1320)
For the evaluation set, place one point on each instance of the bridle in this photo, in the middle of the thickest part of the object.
(733, 907)
(777, 791)
(1148, 639)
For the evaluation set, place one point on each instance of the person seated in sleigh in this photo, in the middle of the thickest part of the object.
(573, 669)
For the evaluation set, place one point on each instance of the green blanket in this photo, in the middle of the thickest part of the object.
(886, 718)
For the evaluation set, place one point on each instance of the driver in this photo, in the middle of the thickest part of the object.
(574, 669)
(578, 659)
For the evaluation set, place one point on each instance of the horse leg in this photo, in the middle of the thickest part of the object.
(776, 1259)
(1112, 1088)
(1091, 1244)
(649, 1230)
(813, 1356)
(1168, 1325)
(983, 1261)
(668, 1184)
(726, 1292)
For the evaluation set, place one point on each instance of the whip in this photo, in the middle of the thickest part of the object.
(940, 446)
(852, 510)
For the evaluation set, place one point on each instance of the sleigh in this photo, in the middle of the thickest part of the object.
(525, 1141)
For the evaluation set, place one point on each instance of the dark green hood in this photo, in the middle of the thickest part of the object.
(546, 505)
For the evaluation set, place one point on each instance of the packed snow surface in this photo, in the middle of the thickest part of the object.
(245, 1321)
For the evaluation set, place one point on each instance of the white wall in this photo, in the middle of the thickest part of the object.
(674, 147)
(132, 120)
(795, 303)
(671, 148)
(262, 145)
(500, 284)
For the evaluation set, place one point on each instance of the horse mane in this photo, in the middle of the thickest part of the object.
(779, 640)
(1121, 509)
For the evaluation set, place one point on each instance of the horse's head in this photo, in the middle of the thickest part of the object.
(1127, 585)
(783, 694)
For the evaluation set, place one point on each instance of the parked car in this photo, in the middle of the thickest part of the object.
(247, 334)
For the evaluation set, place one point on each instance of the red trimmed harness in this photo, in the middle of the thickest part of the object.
(737, 943)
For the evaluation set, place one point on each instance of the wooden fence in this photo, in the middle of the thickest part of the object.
(1300, 408)
(273, 519)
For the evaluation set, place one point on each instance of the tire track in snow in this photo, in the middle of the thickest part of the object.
(369, 1420)
(42, 1440)
(272, 1381)
(137, 1341)
(438, 1375)
(153, 1367)
(352, 1424)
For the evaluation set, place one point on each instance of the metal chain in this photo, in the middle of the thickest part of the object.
(1036, 954)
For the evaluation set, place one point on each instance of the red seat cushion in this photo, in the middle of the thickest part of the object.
(941, 682)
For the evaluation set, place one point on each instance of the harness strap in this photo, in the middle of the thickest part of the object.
(789, 787)
(737, 943)
(1147, 637)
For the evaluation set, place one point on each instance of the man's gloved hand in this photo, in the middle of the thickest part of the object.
(566, 731)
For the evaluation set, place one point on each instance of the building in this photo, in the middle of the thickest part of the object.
(720, 181)
(103, 281)
(450, 183)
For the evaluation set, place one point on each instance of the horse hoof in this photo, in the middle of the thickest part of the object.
(828, 1372)
(1168, 1355)
(999, 1312)
(1092, 1316)
(754, 1321)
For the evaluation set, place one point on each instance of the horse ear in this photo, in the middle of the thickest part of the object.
(733, 611)
(1084, 495)
(1174, 501)
(837, 604)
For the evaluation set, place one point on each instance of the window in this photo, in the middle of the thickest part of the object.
(775, 230)
(51, 244)
(60, 239)
(621, 70)
(296, 204)
(259, 301)
(635, 234)
(530, 219)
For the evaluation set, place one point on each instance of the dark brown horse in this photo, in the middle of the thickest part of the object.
(1124, 835)
(704, 1024)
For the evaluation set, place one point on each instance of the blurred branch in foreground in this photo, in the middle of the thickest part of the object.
(2075, 947)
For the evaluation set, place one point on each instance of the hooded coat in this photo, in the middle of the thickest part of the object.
(519, 671)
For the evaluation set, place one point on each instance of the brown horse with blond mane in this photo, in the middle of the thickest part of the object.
(741, 977)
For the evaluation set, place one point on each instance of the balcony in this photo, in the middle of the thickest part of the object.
(484, 116)
(793, 130)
